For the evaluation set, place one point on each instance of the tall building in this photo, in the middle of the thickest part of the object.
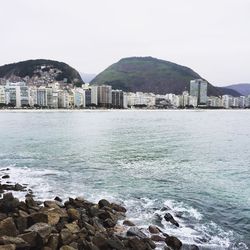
(94, 95)
(2, 94)
(42, 96)
(198, 88)
(104, 96)
(117, 99)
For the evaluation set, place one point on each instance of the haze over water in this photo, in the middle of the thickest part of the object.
(195, 164)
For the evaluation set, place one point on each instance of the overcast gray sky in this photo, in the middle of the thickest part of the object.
(210, 36)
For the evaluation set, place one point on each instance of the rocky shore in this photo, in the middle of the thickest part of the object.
(74, 224)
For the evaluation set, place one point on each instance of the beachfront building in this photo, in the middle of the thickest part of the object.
(79, 97)
(32, 96)
(2, 95)
(140, 99)
(198, 88)
(94, 95)
(117, 99)
(42, 100)
(104, 96)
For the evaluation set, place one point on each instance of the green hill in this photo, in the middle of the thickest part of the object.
(41, 68)
(147, 74)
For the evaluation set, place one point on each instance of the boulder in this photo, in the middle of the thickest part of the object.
(170, 218)
(66, 236)
(8, 247)
(58, 199)
(135, 231)
(37, 217)
(128, 223)
(73, 227)
(53, 204)
(42, 229)
(8, 203)
(104, 203)
(5, 176)
(30, 238)
(173, 242)
(157, 238)
(153, 229)
(53, 217)
(67, 247)
(53, 241)
(73, 214)
(8, 227)
(136, 243)
(17, 241)
(118, 208)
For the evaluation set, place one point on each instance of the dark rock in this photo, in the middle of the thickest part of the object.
(30, 202)
(53, 241)
(8, 227)
(18, 187)
(53, 204)
(3, 216)
(157, 238)
(118, 208)
(42, 229)
(173, 242)
(94, 211)
(36, 218)
(170, 218)
(135, 243)
(21, 223)
(135, 231)
(115, 243)
(8, 203)
(153, 229)
(30, 238)
(66, 236)
(72, 227)
(128, 223)
(5, 176)
(73, 214)
(103, 203)
(109, 223)
(58, 199)
(193, 247)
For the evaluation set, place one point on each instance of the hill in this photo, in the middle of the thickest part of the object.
(147, 74)
(41, 70)
(242, 88)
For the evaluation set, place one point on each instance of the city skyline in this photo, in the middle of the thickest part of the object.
(209, 37)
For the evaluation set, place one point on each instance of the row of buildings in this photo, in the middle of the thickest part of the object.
(52, 95)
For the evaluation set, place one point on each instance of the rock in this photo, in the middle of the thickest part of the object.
(109, 223)
(135, 231)
(169, 217)
(36, 218)
(5, 176)
(42, 229)
(21, 223)
(100, 241)
(8, 227)
(8, 203)
(30, 202)
(135, 243)
(58, 199)
(128, 223)
(94, 211)
(53, 217)
(53, 241)
(73, 227)
(153, 229)
(173, 242)
(104, 203)
(157, 238)
(150, 243)
(67, 247)
(118, 208)
(115, 243)
(8, 247)
(66, 236)
(18, 242)
(53, 204)
(3, 216)
(30, 238)
(18, 187)
(193, 247)
(73, 214)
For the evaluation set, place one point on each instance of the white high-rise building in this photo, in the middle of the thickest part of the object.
(198, 88)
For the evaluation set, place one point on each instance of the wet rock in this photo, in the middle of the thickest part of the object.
(30, 202)
(135, 231)
(153, 229)
(5, 176)
(128, 223)
(135, 243)
(103, 203)
(58, 199)
(170, 218)
(17, 241)
(30, 238)
(150, 243)
(109, 223)
(157, 238)
(173, 242)
(8, 227)
(118, 208)
(193, 247)
(8, 203)
(19, 187)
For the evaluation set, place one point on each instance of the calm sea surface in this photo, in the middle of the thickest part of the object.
(195, 164)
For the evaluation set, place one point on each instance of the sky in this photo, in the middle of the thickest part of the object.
(210, 36)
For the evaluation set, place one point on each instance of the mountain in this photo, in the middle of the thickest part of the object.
(40, 71)
(148, 74)
(242, 88)
(87, 77)
(228, 91)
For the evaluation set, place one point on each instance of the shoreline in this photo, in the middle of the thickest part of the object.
(74, 224)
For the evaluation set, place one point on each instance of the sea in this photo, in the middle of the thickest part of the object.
(194, 164)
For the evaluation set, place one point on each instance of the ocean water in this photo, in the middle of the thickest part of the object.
(194, 164)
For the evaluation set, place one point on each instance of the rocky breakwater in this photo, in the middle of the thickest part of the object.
(75, 224)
